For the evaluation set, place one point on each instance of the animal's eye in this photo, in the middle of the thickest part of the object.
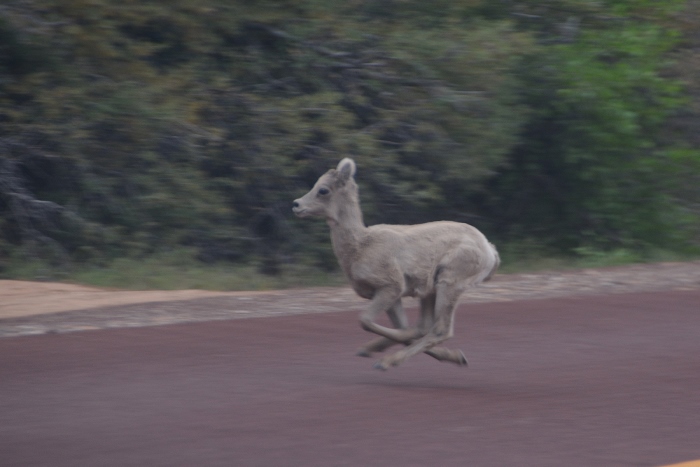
(323, 191)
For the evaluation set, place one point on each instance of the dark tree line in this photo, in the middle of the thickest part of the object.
(128, 129)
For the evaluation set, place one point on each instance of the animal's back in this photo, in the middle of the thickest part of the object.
(422, 250)
(434, 238)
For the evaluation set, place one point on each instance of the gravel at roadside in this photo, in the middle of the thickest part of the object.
(511, 287)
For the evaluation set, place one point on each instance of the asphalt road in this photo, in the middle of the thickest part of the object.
(596, 381)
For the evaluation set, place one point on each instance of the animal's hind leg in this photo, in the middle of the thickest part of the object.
(426, 319)
(425, 324)
(443, 328)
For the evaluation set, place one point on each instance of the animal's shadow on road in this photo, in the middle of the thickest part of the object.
(446, 386)
(414, 383)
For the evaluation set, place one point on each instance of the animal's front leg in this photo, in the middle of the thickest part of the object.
(398, 318)
(385, 300)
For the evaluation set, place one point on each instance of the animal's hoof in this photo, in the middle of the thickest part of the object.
(379, 366)
(364, 353)
(462, 360)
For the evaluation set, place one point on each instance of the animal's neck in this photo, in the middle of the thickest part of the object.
(347, 230)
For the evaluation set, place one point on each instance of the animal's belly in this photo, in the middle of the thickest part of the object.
(363, 290)
(416, 286)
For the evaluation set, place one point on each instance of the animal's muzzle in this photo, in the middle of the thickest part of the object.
(297, 209)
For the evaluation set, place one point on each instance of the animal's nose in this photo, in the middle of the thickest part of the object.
(295, 204)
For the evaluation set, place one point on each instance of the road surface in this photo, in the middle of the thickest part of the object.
(596, 381)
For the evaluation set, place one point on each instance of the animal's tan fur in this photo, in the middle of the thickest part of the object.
(434, 262)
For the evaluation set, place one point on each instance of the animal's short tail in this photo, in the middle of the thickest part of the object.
(496, 264)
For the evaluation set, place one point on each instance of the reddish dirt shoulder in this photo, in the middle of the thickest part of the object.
(26, 298)
(39, 307)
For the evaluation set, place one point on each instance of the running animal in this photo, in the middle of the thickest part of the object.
(435, 262)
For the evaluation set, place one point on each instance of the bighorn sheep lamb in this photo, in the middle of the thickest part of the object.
(435, 262)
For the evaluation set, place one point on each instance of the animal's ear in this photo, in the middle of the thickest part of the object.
(346, 169)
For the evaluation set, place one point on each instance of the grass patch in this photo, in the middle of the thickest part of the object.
(528, 257)
(173, 271)
(178, 270)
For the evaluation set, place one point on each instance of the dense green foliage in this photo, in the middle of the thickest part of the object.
(137, 127)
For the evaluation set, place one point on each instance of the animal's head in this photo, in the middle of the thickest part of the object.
(334, 190)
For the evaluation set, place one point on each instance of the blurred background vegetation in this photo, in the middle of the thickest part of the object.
(160, 143)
